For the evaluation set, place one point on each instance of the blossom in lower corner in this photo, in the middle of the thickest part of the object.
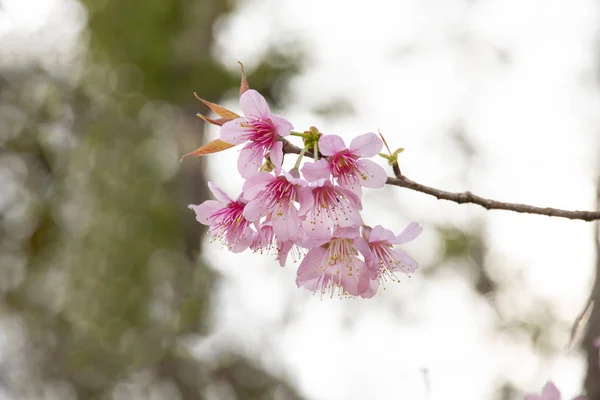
(260, 130)
(551, 392)
(386, 258)
(225, 218)
(334, 264)
(348, 166)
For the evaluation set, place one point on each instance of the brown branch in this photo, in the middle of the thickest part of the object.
(468, 197)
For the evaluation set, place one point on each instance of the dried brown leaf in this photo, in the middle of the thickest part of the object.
(244, 83)
(218, 121)
(212, 147)
(217, 109)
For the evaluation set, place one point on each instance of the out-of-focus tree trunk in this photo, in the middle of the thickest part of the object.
(592, 332)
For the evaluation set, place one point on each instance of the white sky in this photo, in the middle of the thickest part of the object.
(414, 69)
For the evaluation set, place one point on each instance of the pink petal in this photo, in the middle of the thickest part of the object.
(243, 242)
(357, 283)
(305, 199)
(219, 194)
(550, 392)
(256, 183)
(380, 234)
(352, 220)
(374, 176)
(293, 179)
(283, 251)
(276, 156)
(352, 197)
(367, 145)
(371, 290)
(249, 161)
(254, 210)
(409, 234)
(254, 105)
(233, 132)
(349, 232)
(282, 126)
(534, 397)
(315, 171)
(205, 210)
(331, 144)
(310, 267)
(407, 264)
(285, 226)
(315, 236)
(363, 248)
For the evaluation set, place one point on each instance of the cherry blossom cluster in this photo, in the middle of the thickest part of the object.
(551, 392)
(311, 211)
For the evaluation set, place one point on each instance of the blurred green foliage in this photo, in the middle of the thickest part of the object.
(99, 254)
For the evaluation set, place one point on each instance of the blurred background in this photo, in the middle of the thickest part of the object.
(109, 288)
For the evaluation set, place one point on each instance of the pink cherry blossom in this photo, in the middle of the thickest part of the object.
(551, 392)
(346, 164)
(225, 218)
(275, 196)
(261, 129)
(333, 265)
(386, 259)
(332, 206)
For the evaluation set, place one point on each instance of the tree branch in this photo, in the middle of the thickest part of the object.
(468, 197)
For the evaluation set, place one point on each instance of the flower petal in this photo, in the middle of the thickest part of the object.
(254, 105)
(233, 132)
(276, 156)
(406, 263)
(283, 249)
(219, 194)
(305, 199)
(352, 197)
(254, 210)
(282, 126)
(380, 234)
(355, 282)
(205, 210)
(347, 232)
(310, 267)
(551, 392)
(367, 145)
(331, 144)
(256, 183)
(363, 247)
(409, 234)
(371, 290)
(285, 225)
(374, 176)
(243, 242)
(315, 171)
(249, 161)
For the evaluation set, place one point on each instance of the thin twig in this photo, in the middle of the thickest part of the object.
(468, 197)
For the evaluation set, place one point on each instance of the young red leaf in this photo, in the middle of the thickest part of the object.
(212, 147)
(244, 84)
(219, 110)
